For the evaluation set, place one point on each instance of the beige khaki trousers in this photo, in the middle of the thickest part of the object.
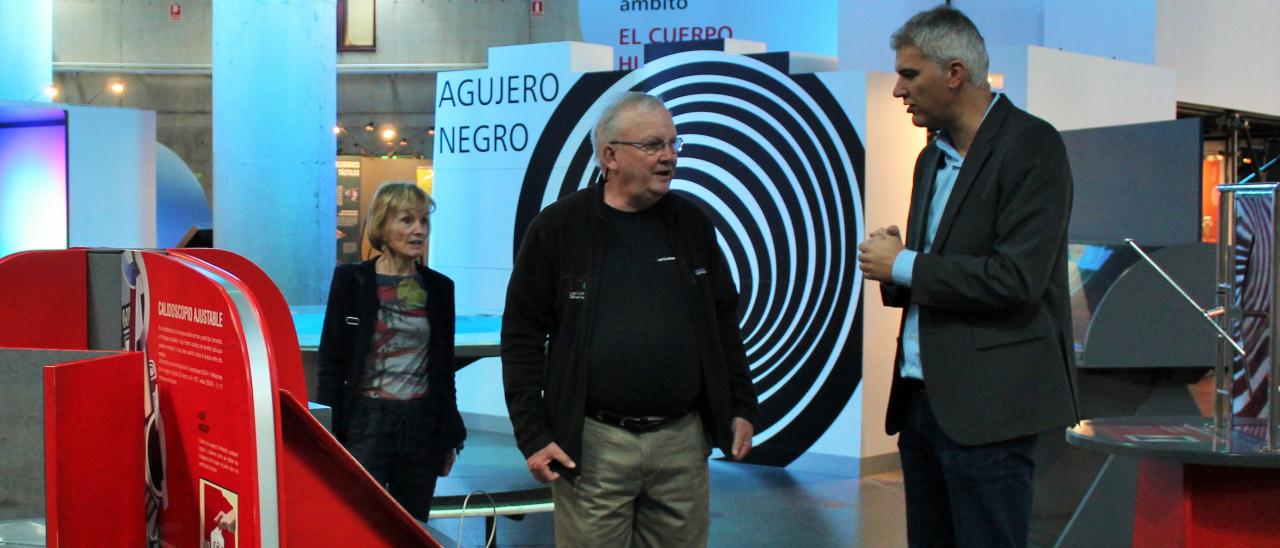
(646, 489)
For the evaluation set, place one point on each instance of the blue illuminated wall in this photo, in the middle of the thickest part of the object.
(26, 49)
(1113, 30)
(33, 185)
(809, 26)
(274, 105)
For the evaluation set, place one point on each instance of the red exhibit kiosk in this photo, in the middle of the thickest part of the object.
(198, 432)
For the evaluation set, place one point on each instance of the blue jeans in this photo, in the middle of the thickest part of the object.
(963, 495)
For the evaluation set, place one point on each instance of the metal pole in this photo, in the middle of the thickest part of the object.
(1222, 416)
(1205, 313)
(1273, 384)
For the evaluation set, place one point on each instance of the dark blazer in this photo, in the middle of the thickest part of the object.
(550, 311)
(995, 321)
(348, 328)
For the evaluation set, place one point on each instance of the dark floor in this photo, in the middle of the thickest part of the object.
(750, 505)
(765, 506)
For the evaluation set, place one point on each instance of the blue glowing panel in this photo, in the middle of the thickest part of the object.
(26, 49)
(809, 27)
(276, 196)
(33, 186)
(1116, 30)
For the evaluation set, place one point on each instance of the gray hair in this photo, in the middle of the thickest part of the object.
(944, 34)
(607, 127)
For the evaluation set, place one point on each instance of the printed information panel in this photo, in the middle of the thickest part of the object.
(201, 450)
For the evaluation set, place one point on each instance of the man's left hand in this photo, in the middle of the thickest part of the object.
(877, 253)
(742, 432)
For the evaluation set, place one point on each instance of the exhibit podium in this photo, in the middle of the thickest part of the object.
(1205, 481)
(1191, 490)
(171, 409)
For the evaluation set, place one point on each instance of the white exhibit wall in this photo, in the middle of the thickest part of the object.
(892, 145)
(1073, 91)
(1224, 52)
(471, 177)
(477, 188)
(111, 177)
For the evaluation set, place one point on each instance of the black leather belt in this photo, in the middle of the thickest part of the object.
(636, 425)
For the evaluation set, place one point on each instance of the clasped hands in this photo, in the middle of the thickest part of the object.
(877, 253)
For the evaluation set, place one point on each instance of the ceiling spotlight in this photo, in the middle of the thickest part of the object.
(368, 126)
(51, 91)
(404, 142)
(431, 131)
(338, 130)
(115, 86)
(389, 134)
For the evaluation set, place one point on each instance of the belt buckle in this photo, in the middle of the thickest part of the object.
(643, 424)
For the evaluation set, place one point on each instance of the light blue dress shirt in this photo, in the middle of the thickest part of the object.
(943, 181)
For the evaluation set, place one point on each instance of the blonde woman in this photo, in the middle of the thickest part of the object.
(386, 354)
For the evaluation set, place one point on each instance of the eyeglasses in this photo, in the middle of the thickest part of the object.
(653, 146)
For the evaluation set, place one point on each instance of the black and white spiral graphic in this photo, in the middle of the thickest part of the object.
(775, 162)
(1254, 260)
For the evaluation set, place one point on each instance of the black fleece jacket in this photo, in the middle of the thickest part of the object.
(547, 324)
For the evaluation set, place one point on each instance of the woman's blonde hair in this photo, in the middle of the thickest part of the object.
(390, 198)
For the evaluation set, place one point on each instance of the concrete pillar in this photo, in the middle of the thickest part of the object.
(26, 49)
(274, 106)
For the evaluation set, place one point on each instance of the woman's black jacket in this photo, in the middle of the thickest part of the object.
(349, 321)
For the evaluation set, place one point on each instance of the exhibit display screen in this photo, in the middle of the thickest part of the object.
(1139, 181)
(1252, 295)
(1091, 271)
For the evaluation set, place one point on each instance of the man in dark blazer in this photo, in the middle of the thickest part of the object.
(983, 360)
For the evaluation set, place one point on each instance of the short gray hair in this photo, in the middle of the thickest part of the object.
(944, 34)
(607, 127)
